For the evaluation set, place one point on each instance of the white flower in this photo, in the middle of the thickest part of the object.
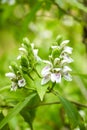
(22, 49)
(55, 47)
(45, 71)
(47, 62)
(21, 82)
(14, 86)
(58, 67)
(66, 69)
(10, 75)
(66, 59)
(45, 74)
(67, 76)
(64, 43)
(56, 77)
(45, 79)
(35, 52)
(67, 50)
(19, 57)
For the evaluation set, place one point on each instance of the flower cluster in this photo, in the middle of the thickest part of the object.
(57, 66)
(16, 77)
(28, 50)
(28, 58)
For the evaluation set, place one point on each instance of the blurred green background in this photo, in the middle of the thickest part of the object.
(41, 21)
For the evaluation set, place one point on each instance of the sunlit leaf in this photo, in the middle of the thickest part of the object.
(72, 112)
(16, 110)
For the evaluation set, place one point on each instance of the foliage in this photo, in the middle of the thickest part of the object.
(36, 96)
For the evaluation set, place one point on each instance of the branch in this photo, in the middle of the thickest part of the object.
(67, 12)
(46, 104)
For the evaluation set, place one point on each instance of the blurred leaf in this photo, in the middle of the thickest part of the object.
(30, 17)
(78, 5)
(41, 90)
(6, 127)
(28, 113)
(16, 110)
(72, 113)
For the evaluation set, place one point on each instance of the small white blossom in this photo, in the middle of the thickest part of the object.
(19, 57)
(47, 62)
(45, 79)
(14, 86)
(66, 59)
(66, 69)
(67, 76)
(22, 49)
(55, 47)
(10, 75)
(64, 43)
(67, 50)
(35, 52)
(56, 77)
(21, 82)
(45, 70)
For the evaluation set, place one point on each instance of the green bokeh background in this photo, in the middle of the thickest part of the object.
(41, 22)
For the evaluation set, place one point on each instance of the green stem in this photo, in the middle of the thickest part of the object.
(48, 103)
(30, 77)
(37, 73)
(50, 89)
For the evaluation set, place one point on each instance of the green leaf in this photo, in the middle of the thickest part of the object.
(41, 90)
(28, 113)
(16, 110)
(6, 127)
(71, 111)
(78, 5)
(30, 17)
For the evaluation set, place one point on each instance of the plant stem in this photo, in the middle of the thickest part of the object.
(37, 73)
(30, 77)
(48, 103)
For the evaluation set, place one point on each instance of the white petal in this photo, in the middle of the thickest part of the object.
(45, 80)
(67, 50)
(67, 77)
(56, 77)
(35, 51)
(19, 57)
(47, 62)
(45, 71)
(23, 50)
(66, 68)
(10, 75)
(55, 47)
(14, 86)
(53, 77)
(66, 59)
(21, 83)
(64, 43)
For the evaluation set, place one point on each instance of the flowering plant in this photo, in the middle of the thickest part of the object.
(22, 75)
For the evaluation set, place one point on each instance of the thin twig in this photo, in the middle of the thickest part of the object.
(48, 103)
(67, 12)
